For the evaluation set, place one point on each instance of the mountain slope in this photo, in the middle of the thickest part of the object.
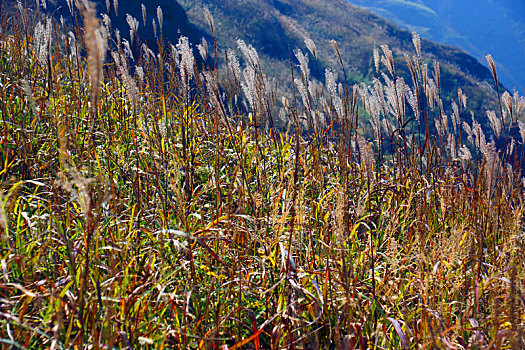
(477, 26)
(274, 27)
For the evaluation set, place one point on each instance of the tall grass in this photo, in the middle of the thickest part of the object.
(149, 202)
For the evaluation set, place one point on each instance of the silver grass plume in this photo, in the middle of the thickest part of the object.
(452, 147)
(455, 116)
(510, 147)
(412, 101)
(495, 123)
(444, 120)
(303, 92)
(440, 127)
(209, 19)
(233, 64)
(249, 52)
(492, 164)
(416, 40)
(388, 60)
(160, 17)
(380, 93)
(69, 5)
(143, 8)
(72, 43)
(332, 88)
(154, 25)
(139, 71)
(470, 133)
(492, 66)
(249, 87)
(377, 59)
(478, 133)
(187, 59)
(510, 175)
(43, 37)
(521, 126)
(333, 43)
(211, 84)
(437, 74)
(133, 26)
(127, 49)
(464, 155)
(303, 64)
(174, 54)
(508, 103)
(462, 98)
(131, 88)
(107, 21)
(108, 5)
(44, 5)
(519, 103)
(366, 150)
(310, 45)
(203, 48)
(115, 6)
(117, 36)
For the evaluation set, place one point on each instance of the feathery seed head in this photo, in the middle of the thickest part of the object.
(310, 45)
(521, 126)
(495, 122)
(69, 5)
(209, 19)
(154, 25)
(303, 64)
(143, 8)
(388, 60)
(115, 6)
(127, 49)
(160, 17)
(133, 26)
(377, 59)
(249, 53)
(187, 59)
(233, 64)
(508, 103)
(492, 66)
(107, 21)
(416, 40)
(203, 48)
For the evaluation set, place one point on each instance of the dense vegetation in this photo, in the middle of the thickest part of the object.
(159, 205)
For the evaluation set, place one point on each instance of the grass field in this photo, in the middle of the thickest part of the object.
(150, 203)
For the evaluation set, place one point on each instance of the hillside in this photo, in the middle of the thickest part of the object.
(274, 27)
(477, 26)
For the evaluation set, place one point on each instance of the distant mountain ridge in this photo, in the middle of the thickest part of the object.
(478, 26)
